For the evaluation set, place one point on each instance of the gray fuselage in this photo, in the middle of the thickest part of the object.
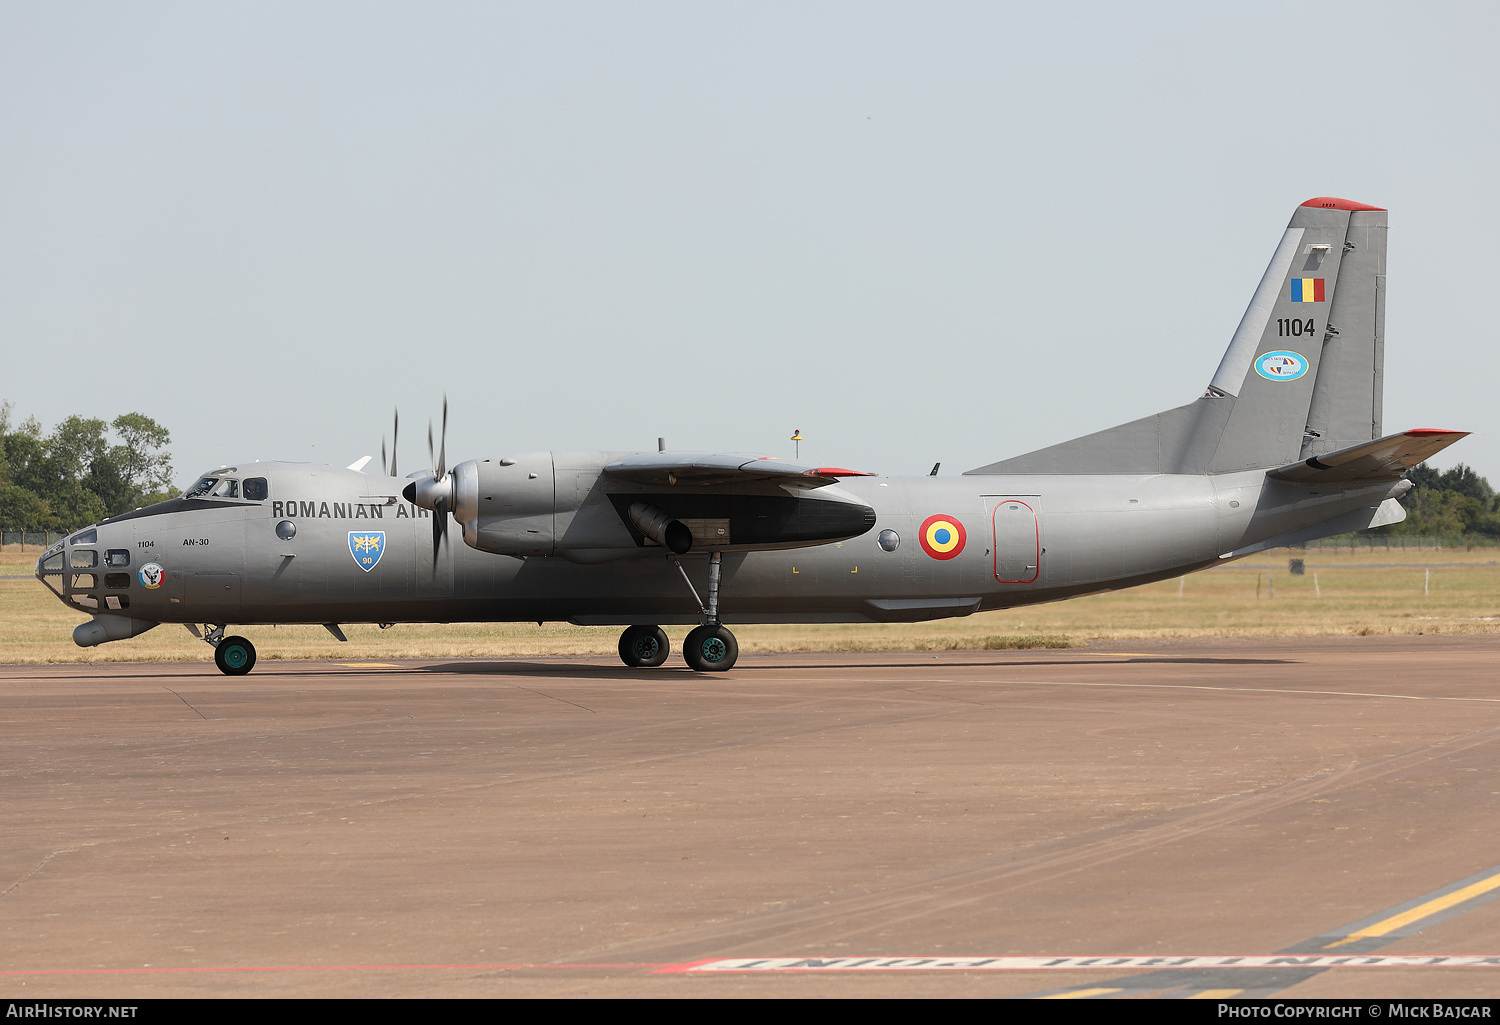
(1025, 539)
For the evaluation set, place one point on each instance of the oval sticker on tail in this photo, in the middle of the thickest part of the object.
(1281, 365)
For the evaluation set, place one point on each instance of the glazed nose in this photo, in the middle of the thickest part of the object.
(51, 566)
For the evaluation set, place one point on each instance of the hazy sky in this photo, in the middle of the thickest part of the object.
(917, 232)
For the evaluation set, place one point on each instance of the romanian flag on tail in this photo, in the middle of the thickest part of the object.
(1307, 290)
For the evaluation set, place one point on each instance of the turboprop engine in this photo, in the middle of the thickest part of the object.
(503, 506)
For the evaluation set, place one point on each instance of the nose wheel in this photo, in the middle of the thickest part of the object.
(644, 647)
(235, 656)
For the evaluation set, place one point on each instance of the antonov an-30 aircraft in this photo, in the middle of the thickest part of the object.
(1284, 446)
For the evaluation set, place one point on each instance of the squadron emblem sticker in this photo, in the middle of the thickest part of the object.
(942, 537)
(152, 576)
(366, 546)
(1281, 365)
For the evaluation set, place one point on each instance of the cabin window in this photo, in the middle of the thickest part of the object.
(85, 558)
(117, 557)
(286, 530)
(256, 489)
(117, 580)
(889, 540)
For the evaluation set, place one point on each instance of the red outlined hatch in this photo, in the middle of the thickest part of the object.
(1018, 541)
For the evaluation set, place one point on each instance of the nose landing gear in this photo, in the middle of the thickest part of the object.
(235, 656)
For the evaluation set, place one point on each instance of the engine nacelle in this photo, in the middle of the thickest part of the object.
(507, 506)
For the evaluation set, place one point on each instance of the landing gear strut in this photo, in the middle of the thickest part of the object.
(710, 648)
(235, 656)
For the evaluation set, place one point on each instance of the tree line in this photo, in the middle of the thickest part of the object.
(1450, 503)
(83, 471)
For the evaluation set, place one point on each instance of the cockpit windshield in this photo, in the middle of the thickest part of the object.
(202, 488)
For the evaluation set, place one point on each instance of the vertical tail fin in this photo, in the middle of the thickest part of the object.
(1302, 374)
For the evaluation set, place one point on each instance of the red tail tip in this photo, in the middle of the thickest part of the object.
(1335, 203)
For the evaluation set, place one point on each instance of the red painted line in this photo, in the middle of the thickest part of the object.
(677, 969)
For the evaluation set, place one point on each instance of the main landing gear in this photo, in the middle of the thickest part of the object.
(710, 648)
(235, 656)
(644, 646)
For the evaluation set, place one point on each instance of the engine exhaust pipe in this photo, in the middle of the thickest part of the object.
(672, 534)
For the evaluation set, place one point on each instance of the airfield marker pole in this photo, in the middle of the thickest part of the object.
(1257, 585)
(1426, 582)
(1317, 591)
(1181, 582)
(1270, 586)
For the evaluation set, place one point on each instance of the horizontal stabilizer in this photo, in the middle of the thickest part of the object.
(1382, 459)
(708, 469)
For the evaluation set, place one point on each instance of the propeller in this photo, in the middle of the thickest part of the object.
(444, 503)
(395, 438)
(435, 492)
(440, 463)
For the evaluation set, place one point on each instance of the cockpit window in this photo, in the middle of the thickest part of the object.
(256, 489)
(202, 488)
(227, 489)
(85, 537)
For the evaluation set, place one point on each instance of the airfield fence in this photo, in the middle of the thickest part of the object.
(39, 538)
(1353, 543)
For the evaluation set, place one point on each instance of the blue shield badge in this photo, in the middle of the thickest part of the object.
(366, 546)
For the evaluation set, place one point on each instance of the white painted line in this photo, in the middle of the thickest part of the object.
(1070, 964)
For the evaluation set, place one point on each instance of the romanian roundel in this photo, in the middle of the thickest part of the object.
(942, 537)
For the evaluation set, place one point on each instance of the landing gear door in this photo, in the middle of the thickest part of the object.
(1017, 527)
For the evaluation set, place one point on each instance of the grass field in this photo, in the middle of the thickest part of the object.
(1395, 591)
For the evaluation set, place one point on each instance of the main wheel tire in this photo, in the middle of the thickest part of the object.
(644, 647)
(710, 649)
(234, 656)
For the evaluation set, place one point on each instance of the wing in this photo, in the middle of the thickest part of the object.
(716, 469)
(1382, 459)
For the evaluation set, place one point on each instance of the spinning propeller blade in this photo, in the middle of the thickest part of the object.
(439, 473)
